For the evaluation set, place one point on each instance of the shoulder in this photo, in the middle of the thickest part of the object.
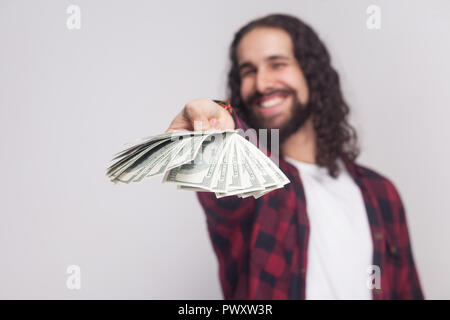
(383, 187)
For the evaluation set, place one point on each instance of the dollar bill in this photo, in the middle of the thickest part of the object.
(222, 162)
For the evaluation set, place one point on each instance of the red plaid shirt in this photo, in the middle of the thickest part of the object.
(261, 244)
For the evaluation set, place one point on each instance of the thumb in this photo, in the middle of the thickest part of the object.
(201, 124)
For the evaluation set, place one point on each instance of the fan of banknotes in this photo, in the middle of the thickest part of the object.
(222, 162)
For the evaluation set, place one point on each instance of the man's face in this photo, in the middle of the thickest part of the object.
(273, 86)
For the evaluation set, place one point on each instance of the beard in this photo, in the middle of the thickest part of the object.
(298, 115)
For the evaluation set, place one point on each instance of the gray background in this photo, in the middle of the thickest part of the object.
(70, 99)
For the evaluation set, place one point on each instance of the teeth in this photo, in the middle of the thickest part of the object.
(271, 102)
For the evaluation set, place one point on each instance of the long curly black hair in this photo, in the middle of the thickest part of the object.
(335, 136)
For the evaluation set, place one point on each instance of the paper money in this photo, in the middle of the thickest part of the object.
(222, 162)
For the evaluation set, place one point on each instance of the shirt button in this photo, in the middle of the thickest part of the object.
(393, 249)
(303, 271)
(378, 235)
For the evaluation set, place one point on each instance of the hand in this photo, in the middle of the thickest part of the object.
(202, 114)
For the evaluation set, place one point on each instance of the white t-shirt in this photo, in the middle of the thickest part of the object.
(340, 244)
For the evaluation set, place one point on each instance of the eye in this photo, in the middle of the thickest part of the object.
(247, 72)
(278, 65)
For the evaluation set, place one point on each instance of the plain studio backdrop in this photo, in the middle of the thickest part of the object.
(70, 99)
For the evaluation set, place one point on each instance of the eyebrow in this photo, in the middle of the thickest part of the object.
(269, 58)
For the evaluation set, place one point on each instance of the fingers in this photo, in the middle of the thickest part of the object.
(214, 124)
(196, 116)
(202, 115)
(179, 123)
(188, 120)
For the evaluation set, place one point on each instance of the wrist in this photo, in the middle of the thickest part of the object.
(225, 104)
(229, 110)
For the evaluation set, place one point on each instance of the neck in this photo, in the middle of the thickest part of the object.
(301, 145)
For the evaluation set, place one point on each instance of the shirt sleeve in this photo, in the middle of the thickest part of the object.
(229, 220)
(406, 279)
(226, 213)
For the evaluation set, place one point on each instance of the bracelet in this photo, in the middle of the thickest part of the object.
(225, 105)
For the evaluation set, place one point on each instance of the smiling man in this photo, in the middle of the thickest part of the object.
(338, 230)
(272, 85)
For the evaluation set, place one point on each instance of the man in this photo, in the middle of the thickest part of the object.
(338, 230)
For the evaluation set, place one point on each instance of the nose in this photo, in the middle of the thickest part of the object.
(264, 80)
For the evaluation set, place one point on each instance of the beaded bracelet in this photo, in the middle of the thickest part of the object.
(225, 104)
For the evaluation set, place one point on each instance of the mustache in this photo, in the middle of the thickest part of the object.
(259, 95)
